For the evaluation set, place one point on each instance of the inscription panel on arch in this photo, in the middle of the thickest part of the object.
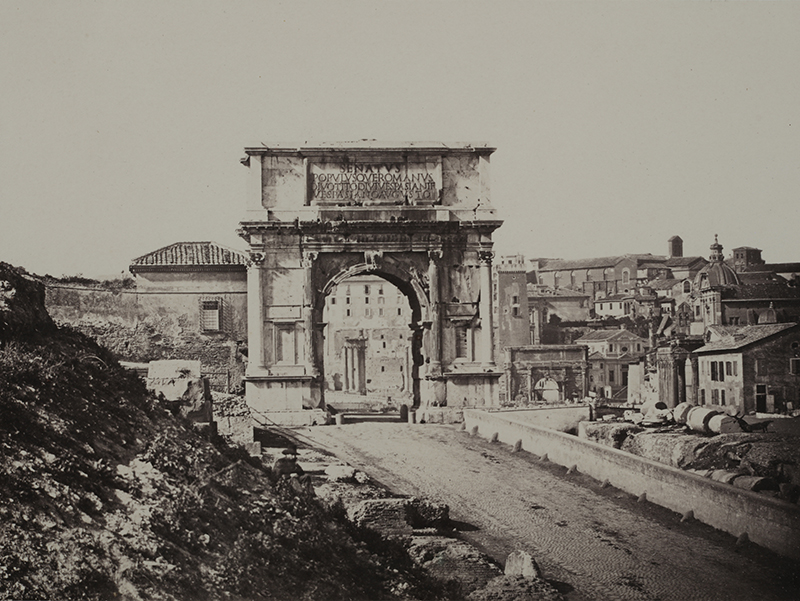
(375, 182)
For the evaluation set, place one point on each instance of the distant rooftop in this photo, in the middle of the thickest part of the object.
(603, 335)
(737, 337)
(191, 254)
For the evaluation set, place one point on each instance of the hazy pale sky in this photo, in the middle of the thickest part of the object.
(617, 124)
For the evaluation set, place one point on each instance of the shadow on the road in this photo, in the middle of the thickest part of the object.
(561, 587)
(463, 526)
(360, 418)
(271, 438)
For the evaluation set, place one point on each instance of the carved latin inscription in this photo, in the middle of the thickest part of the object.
(388, 183)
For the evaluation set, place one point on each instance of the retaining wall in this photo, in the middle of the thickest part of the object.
(769, 522)
(555, 417)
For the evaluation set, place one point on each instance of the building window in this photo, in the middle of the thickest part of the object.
(728, 368)
(383, 368)
(626, 276)
(367, 312)
(366, 289)
(381, 300)
(333, 300)
(384, 344)
(399, 310)
(366, 300)
(348, 313)
(380, 289)
(211, 315)
(761, 398)
(380, 312)
(347, 300)
(610, 376)
(702, 396)
(687, 287)
(794, 366)
(515, 311)
(715, 397)
(721, 397)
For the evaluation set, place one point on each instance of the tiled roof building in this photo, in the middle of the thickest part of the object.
(190, 254)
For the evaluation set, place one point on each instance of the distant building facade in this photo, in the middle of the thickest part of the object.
(368, 338)
(750, 368)
(610, 353)
(189, 301)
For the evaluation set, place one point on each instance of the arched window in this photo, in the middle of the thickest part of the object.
(687, 287)
(626, 276)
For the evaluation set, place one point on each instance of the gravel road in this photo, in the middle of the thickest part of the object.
(593, 543)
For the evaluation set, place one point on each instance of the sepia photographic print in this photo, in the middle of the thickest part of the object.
(350, 300)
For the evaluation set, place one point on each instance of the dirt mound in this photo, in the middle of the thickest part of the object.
(107, 495)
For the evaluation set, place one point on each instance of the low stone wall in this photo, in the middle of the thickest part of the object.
(772, 523)
(563, 418)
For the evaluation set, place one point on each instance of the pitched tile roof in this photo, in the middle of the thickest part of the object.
(663, 284)
(192, 253)
(775, 267)
(737, 337)
(684, 261)
(603, 335)
(592, 263)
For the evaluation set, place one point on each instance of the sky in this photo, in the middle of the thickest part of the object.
(617, 124)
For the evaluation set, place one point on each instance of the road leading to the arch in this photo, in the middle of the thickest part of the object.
(601, 542)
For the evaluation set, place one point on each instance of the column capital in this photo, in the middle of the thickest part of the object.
(435, 254)
(309, 256)
(255, 259)
(485, 256)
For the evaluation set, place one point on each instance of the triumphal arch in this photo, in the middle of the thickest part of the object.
(418, 216)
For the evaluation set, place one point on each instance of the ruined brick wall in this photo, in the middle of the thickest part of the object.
(143, 327)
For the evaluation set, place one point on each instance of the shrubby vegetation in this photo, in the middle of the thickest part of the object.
(108, 495)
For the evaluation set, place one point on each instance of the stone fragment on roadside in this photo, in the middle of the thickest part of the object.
(754, 483)
(340, 473)
(387, 516)
(521, 563)
(361, 478)
(424, 513)
(516, 588)
(180, 383)
(455, 561)
(681, 412)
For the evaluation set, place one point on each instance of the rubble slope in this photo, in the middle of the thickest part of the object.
(108, 495)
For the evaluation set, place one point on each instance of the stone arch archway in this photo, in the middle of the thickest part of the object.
(418, 217)
(413, 288)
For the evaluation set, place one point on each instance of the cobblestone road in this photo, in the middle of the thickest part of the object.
(598, 542)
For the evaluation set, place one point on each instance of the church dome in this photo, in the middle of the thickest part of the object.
(717, 272)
